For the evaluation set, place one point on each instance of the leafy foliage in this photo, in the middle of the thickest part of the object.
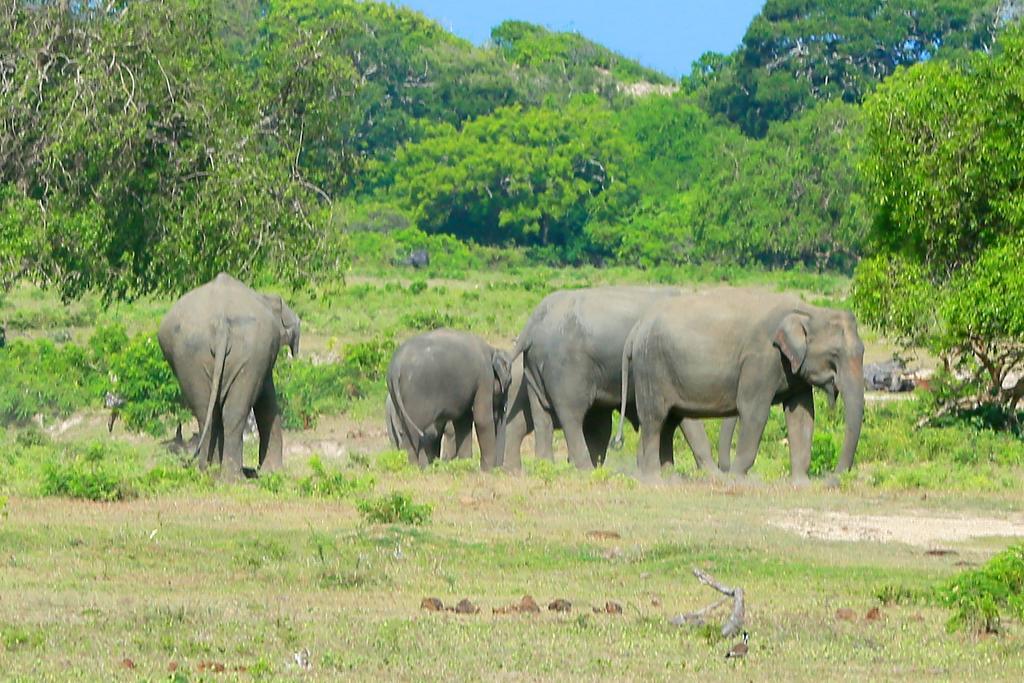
(394, 508)
(797, 52)
(42, 378)
(981, 598)
(943, 168)
(516, 175)
(308, 390)
(144, 380)
(329, 483)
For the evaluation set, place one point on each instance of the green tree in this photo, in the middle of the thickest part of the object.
(527, 176)
(796, 52)
(155, 154)
(943, 166)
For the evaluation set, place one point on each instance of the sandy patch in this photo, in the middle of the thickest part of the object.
(921, 530)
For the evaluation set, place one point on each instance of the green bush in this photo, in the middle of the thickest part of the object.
(87, 474)
(430, 320)
(981, 598)
(42, 378)
(325, 483)
(824, 454)
(306, 391)
(393, 460)
(141, 376)
(370, 358)
(394, 508)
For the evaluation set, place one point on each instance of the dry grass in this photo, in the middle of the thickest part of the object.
(245, 580)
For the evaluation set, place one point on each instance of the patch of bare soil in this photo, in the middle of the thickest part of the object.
(924, 530)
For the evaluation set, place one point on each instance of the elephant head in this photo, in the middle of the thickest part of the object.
(822, 347)
(289, 322)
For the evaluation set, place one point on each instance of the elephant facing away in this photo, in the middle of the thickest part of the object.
(518, 423)
(222, 340)
(572, 358)
(734, 353)
(449, 376)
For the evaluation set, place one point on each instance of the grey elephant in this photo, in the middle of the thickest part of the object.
(449, 376)
(735, 353)
(572, 357)
(222, 340)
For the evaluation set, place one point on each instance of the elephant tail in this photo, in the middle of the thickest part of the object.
(394, 432)
(627, 354)
(413, 432)
(219, 355)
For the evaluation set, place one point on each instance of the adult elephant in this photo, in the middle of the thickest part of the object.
(222, 340)
(572, 359)
(449, 376)
(734, 353)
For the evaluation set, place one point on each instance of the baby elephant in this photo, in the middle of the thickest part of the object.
(444, 376)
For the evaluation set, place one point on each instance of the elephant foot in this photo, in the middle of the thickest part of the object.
(800, 481)
(832, 482)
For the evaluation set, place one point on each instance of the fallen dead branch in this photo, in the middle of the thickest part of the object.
(734, 624)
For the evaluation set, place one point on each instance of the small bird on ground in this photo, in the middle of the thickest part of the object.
(739, 649)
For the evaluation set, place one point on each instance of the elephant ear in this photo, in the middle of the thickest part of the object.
(502, 367)
(791, 338)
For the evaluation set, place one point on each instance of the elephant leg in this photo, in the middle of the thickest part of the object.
(268, 423)
(725, 442)
(799, 411)
(486, 434)
(463, 437)
(429, 448)
(543, 428)
(666, 447)
(572, 427)
(448, 442)
(697, 438)
(653, 415)
(753, 418)
(234, 416)
(515, 431)
(597, 431)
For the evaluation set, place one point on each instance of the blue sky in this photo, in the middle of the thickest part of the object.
(665, 34)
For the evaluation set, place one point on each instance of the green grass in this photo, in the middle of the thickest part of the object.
(111, 549)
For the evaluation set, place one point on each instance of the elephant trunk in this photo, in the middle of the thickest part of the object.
(293, 343)
(851, 388)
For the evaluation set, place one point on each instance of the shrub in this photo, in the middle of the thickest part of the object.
(981, 597)
(42, 378)
(430, 320)
(546, 470)
(141, 376)
(307, 390)
(324, 483)
(393, 461)
(394, 508)
(88, 475)
(824, 454)
(370, 358)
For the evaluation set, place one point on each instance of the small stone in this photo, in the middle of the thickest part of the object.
(874, 614)
(432, 605)
(612, 607)
(172, 666)
(466, 607)
(127, 663)
(560, 605)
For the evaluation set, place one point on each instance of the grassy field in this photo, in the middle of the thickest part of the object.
(188, 579)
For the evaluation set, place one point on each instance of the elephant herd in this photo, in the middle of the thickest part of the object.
(662, 357)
